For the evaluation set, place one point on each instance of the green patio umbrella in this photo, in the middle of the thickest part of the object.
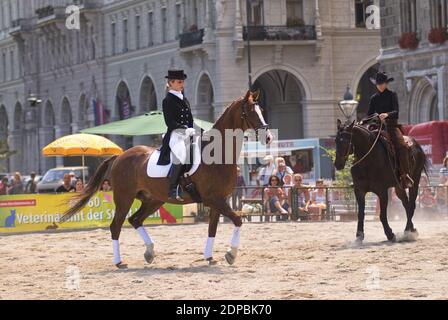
(146, 124)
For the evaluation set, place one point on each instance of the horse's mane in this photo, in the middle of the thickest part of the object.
(227, 110)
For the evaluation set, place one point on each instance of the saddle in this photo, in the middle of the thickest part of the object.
(386, 141)
(155, 170)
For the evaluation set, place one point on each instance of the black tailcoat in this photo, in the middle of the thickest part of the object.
(177, 114)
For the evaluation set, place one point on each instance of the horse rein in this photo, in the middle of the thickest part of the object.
(350, 146)
(244, 117)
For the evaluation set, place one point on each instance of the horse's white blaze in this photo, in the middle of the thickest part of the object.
(208, 251)
(116, 248)
(260, 114)
(145, 236)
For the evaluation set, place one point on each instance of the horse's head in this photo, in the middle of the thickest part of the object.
(344, 145)
(252, 115)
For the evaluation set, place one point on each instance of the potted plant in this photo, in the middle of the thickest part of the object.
(437, 35)
(409, 40)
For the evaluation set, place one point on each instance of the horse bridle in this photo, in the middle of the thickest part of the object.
(350, 145)
(244, 116)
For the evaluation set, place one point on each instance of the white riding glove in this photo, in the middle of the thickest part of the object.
(190, 132)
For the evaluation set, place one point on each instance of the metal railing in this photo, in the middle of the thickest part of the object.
(339, 204)
(276, 33)
(189, 39)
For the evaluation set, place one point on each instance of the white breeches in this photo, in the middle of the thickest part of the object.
(178, 145)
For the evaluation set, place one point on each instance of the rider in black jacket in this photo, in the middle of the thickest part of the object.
(177, 115)
(385, 103)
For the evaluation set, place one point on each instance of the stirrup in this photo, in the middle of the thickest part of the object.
(177, 194)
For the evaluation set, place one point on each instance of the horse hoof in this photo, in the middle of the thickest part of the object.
(211, 261)
(231, 256)
(149, 253)
(121, 265)
(392, 238)
(359, 240)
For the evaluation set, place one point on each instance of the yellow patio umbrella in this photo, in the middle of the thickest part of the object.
(81, 144)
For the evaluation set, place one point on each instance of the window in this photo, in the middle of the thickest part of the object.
(125, 35)
(113, 33)
(255, 13)
(408, 9)
(439, 13)
(178, 20)
(137, 32)
(164, 29)
(150, 29)
(360, 12)
(294, 10)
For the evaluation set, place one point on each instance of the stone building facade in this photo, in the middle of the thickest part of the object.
(421, 75)
(303, 54)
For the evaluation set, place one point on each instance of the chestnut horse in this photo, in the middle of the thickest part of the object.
(130, 181)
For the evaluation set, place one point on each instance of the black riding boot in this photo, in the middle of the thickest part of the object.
(174, 175)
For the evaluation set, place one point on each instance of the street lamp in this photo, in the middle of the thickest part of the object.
(348, 105)
(34, 102)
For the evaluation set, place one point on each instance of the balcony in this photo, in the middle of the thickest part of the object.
(280, 33)
(44, 12)
(190, 39)
(19, 25)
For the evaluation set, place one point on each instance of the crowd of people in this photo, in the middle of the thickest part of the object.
(280, 187)
(70, 183)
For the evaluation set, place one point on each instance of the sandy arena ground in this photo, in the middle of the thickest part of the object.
(277, 261)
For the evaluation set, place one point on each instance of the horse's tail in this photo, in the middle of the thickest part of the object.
(426, 162)
(91, 188)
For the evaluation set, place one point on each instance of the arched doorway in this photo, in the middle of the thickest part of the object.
(147, 103)
(205, 98)
(282, 96)
(4, 164)
(423, 101)
(148, 98)
(66, 118)
(47, 135)
(364, 91)
(17, 139)
(124, 110)
(85, 114)
(434, 109)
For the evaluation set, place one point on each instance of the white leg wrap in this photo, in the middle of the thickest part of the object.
(208, 252)
(145, 236)
(116, 247)
(235, 237)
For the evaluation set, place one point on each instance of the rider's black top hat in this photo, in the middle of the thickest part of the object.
(381, 77)
(176, 75)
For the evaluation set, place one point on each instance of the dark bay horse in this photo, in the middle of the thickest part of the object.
(214, 182)
(373, 171)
